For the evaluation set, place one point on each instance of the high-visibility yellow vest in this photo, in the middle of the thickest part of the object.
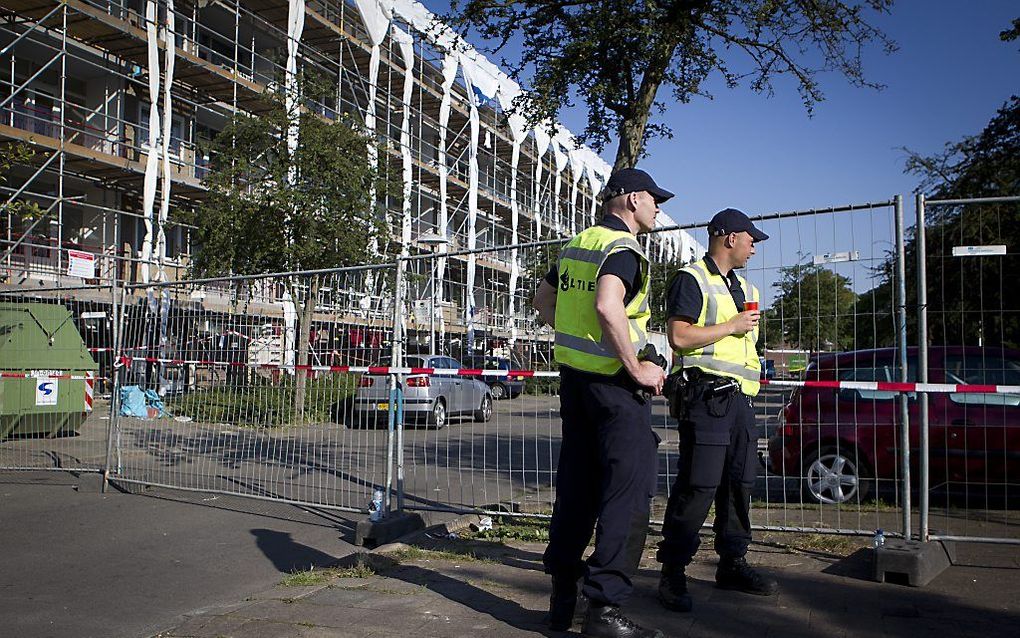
(579, 340)
(734, 356)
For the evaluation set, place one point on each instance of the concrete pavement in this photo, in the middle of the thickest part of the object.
(80, 563)
(175, 565)
(500, 591)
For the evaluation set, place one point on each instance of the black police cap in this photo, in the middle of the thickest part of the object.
(633, 180)
(731, 220)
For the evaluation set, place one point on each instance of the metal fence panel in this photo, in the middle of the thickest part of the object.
(828, 285)
(828, 281)
(210, 392)
(57, 359)
(965, 259)
(222, 357)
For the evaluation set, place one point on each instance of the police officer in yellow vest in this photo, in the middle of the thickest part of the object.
(714, 340)
(596, 298)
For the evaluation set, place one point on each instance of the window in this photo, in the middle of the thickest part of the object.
(980, 369)
(876, 370)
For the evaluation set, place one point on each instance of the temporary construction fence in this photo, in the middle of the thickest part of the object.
(969, 444)
(400, 386)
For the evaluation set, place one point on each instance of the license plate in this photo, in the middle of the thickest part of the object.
(382, 406)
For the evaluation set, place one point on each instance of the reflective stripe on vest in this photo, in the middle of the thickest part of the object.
(733, 356)
(579, 342)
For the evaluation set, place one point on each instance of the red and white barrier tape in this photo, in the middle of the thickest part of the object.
(892, 386)
(374, 370)
(868, 386)
(873, 386)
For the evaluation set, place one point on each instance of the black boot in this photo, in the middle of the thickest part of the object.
(735, 573)
(673, 589)
(562, 602)
(609, 622)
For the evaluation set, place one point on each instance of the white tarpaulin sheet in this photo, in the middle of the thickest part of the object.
(450, 66)
(169, 51)
(403, 39)
(517, 124)
(467, 71)
(560, 162)
(542, 140)
(152, 152)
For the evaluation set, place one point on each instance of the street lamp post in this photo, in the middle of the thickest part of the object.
(435, 243)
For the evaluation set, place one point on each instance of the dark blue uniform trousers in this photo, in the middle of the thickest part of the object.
(604, 483)
(718, 461)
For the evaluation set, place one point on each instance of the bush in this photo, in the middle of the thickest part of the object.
(265, 404)
(543, 386)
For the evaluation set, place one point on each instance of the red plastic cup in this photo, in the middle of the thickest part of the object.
(750, 305)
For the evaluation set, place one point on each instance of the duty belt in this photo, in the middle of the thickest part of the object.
(713, 385)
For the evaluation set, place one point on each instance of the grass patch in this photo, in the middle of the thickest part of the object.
(533, 533)
(311, 577)
(417, 553)
(828, 543)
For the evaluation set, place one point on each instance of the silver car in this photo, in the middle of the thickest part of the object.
(428, 398)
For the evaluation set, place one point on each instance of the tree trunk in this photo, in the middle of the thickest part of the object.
(304, 327)
(632, 127)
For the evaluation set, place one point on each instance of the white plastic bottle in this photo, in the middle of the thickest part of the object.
(375, 508)
(879, 539)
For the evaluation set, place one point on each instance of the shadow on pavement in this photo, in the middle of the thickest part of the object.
(287, 555)
(500, 608)
(836, 601)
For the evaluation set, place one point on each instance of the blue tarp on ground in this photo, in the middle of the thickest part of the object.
(136, 402)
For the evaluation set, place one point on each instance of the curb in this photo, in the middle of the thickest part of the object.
(453, 526)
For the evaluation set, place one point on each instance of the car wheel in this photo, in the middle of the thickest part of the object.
(484, 412)
(499, 391)
(438, 416)
(833, 476)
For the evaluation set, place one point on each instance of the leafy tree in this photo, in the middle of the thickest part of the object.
(615, 55)
(17, 154)
(969, 299)
(813, 310)
(271, 210)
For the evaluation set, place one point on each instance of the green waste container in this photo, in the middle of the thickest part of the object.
(48, 373)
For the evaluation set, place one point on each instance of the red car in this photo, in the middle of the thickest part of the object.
(841, 444)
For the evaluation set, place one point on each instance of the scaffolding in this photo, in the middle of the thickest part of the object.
(116, 99)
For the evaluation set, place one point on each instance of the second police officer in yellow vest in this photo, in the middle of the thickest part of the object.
(596, 298)
(714, 342)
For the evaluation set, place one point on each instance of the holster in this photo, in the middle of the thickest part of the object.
(676, 389)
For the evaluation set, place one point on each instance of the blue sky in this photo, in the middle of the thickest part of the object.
(760, 154)
(763, 154)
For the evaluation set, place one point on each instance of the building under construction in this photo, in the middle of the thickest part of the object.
(116, 100)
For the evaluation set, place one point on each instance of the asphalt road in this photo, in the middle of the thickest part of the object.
(506, 463)
(80, 564)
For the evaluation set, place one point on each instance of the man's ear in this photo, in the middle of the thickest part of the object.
(731, 240)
